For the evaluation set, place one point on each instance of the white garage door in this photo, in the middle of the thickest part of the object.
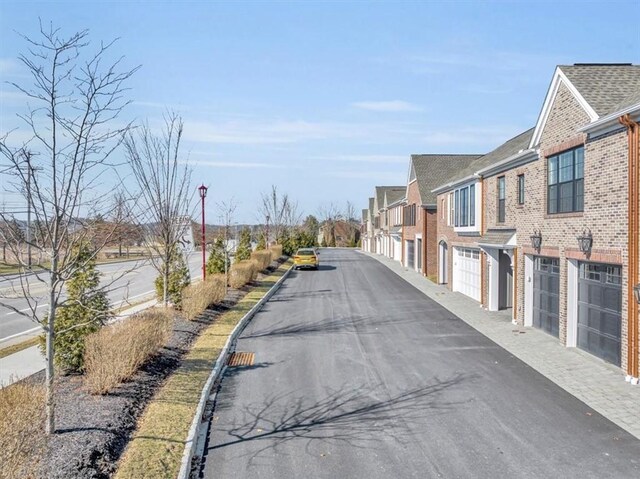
(466, 272)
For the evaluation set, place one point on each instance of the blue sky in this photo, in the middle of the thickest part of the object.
(328, 99)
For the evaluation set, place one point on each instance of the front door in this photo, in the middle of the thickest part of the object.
(444, 262)
(505, 290)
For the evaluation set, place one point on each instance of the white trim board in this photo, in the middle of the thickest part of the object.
(558, 78)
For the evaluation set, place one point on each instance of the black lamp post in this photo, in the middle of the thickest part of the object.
(203, 194)
(536, 240)
(585, 241)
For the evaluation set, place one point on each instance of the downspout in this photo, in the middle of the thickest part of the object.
(424, 242)
(483, 257)
(633, 135)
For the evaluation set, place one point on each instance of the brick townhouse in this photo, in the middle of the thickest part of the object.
(395, 212)
(381, 219)
(419, 229)
(477, 227)
(558, 237)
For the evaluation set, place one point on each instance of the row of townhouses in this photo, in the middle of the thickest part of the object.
(546, 225)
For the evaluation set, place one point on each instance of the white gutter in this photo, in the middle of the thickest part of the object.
(519, 159)
(453, 184)
(611, 120)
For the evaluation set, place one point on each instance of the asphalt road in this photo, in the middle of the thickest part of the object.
(359, 375)
(128, 281)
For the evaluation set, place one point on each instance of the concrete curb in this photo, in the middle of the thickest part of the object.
(216, 373)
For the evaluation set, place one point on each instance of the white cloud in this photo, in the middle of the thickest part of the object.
(234, 164)
(269, 131)
(364, 158)
(386, 106)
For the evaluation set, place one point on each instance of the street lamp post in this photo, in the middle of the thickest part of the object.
(203, 194)
(266, 240)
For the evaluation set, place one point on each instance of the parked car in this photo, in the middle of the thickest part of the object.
(306, 258)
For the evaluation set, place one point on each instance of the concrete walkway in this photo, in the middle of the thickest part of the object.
(598, 384)
(30, 361)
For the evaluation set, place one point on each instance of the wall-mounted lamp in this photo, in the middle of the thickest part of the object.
(636, 292)
(585, 241)
(536, 240)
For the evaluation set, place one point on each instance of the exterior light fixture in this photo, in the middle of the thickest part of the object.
(536, 240)
(585, 241)
(636, 292)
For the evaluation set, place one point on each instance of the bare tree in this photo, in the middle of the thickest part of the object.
(226, 210)
(329, 215)
(350, 216)
(166, 196)
(277, 208)
(74, 103)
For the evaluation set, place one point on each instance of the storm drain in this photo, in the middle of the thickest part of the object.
(241, 358)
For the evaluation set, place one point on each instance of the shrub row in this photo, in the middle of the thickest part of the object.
(262, 259)
(116, 352)
(276, 251)
(242, 273)
(22, 439)
(199, 296)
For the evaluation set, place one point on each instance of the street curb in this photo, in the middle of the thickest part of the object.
(218, 368)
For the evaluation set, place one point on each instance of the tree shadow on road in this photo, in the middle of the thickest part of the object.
(354, 415)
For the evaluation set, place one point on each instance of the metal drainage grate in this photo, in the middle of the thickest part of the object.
(241, 358)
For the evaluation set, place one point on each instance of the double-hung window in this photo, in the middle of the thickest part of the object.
(565, 182)
(501, 199)
(521, 189)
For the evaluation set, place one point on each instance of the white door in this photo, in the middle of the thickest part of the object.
(466, 272)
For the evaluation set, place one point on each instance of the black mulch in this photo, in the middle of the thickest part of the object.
(92, 431)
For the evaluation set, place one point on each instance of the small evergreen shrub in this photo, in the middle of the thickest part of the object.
(243, 251)
(178, 280)
(217, 257)
(83, 312)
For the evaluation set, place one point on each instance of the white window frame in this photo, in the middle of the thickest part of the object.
(477, 187)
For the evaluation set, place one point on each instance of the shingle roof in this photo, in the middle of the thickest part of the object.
(496, 237)
(507, 149)
(434, 170)
(371, 205)
(381, 190)
(395, 195)
(604, 87)
(365, 214)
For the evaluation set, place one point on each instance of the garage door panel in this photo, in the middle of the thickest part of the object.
(466, 272)
(600, 310)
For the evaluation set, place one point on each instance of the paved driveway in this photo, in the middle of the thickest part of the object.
(359, 375)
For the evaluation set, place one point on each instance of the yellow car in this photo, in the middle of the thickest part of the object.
(306, 258)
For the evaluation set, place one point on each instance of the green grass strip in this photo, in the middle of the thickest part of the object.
(14, 348)
(157, 446)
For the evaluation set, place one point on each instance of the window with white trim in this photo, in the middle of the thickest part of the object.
(464, 209)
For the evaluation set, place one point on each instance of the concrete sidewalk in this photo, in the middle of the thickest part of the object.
(598, 384)
(30, 361)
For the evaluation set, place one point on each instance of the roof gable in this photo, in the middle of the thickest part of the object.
(599, 89)
(558, 78)
(380, 194)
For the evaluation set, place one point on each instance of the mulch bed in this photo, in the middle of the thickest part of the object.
(92, 432)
